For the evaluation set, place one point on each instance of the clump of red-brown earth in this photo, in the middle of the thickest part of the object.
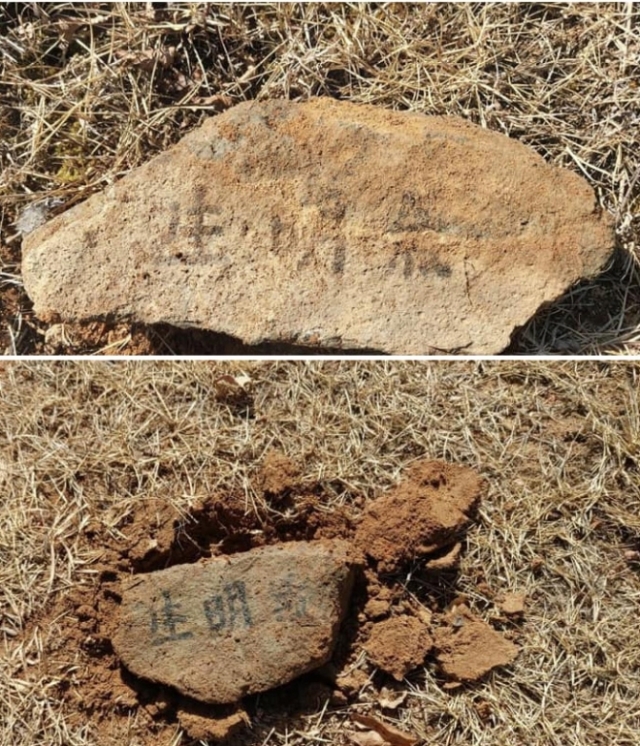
(399, 615)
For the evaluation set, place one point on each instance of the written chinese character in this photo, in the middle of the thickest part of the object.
(228, 608)
(291, 600)
(164, 624)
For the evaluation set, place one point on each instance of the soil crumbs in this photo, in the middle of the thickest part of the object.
(395, 624)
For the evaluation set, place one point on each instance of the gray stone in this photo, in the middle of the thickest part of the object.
(327, 223)
(231, 626)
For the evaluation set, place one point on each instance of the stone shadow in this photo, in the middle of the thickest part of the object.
(173, 340)
(593, 317)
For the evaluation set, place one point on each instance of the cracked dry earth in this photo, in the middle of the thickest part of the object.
(386, 628)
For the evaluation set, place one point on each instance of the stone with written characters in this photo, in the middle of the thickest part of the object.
(226, 627)
(327, 223)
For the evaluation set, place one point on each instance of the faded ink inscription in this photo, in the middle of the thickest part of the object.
(339, 258)
(425, 267)
(292, 600)
(227, 609)
(190, 232)
(193, 226)
(164, 625)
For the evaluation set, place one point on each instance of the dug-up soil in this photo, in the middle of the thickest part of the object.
(404, 603)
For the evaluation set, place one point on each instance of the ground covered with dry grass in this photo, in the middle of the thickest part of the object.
(85, 446)
(91, 90)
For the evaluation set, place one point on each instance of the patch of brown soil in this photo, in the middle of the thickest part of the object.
(279, 474)
(195, 719)
(426, 512)
(108, 337)
(467, 648)
(399, 644)
(393, 626)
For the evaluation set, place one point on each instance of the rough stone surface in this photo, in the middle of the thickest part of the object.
(327, 223)
(227, 627)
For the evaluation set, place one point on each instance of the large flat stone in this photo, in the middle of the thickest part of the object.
(327, 223)
(227, 627)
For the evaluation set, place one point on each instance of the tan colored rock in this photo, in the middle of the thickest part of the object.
(226, 627)
(327, 223)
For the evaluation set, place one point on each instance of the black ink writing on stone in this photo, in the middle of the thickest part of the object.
(407, 260)
(227, 609)
(429, 267)
(215, 613)
(91, 239)
(167, 621)
(339, 257)
(237, 602)
(276, 229)
(436, 267)
(412, 217)
(291, 600)
(188, 225)
(408, 266)
(174, 219)
(305, 260)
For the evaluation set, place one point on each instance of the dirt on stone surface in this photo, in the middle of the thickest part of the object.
(396, 632)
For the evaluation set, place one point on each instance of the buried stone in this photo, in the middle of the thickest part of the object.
(227, 627)
(327, 223)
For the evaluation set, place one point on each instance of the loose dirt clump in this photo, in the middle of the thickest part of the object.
(279, 474)
(195, 719)
(423, 514)
(399, 644)
(390, 627)
(467, 648)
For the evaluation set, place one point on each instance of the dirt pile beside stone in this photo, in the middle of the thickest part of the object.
(390, 628)
(467, 648)
(424, 514)
(327, 224)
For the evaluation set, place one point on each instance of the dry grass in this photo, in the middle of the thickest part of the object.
(557, 442)
(91, 90)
